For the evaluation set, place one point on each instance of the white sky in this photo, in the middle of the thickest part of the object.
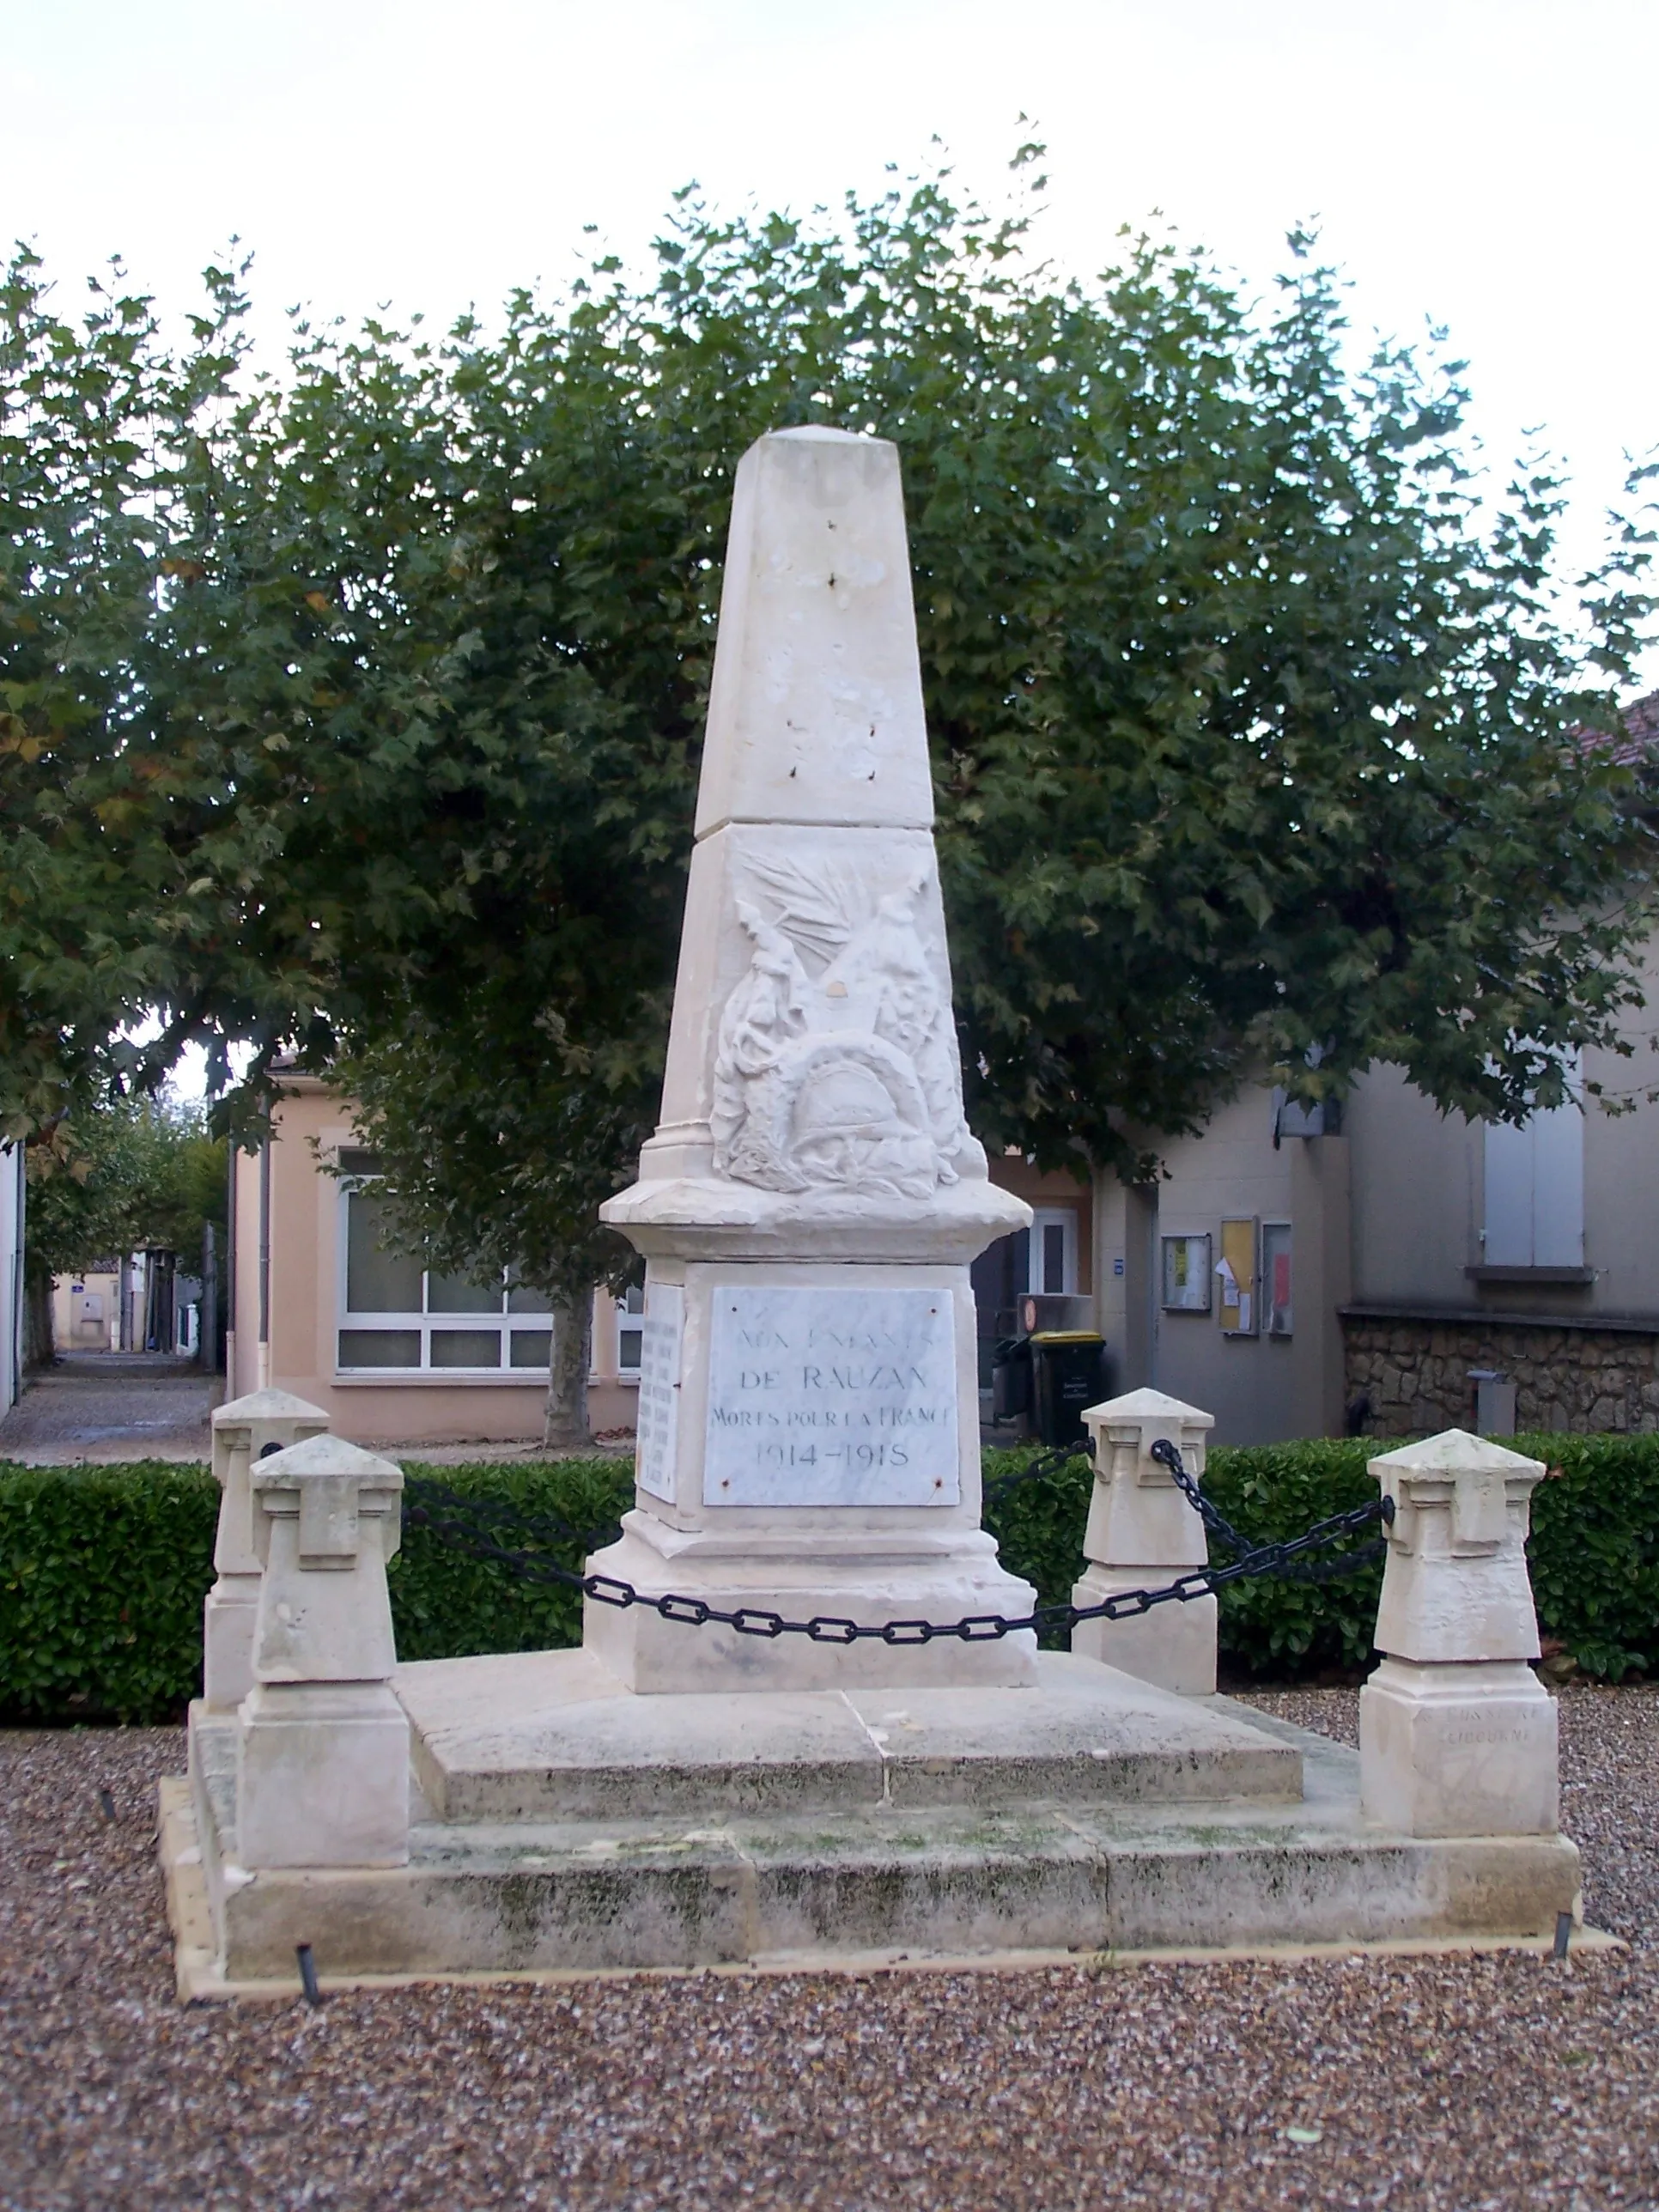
(1488, 164)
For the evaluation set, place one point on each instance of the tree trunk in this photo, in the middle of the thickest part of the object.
(39, 1347)
(565, 1425)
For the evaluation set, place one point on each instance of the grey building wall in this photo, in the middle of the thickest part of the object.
(1429, 1313)
(1261, 1387)
(1397, 1309)
(1420, 1196)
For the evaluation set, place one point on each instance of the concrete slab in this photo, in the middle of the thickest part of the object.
(537, 1897)
(1087, 1732)
(553, 1736)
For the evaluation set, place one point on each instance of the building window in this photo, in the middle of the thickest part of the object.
(1535, 1180)
(397, 1314)
(630, 1329)
(1276, 1277)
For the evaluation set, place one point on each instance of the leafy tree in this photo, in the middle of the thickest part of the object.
(131, 1174)
(1251, 724)
(131, 854)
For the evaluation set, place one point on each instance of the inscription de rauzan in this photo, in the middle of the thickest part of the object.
(831, 1397)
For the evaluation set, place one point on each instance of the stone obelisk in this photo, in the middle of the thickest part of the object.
(808, 1208)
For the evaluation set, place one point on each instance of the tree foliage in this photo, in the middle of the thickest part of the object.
(360, 708)
(136, 1173)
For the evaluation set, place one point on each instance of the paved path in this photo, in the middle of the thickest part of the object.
(104, 1406)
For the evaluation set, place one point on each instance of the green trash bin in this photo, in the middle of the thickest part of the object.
(1068, 1373)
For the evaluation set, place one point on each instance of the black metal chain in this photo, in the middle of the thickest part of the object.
(420, 1492)
(471, 1525)
(1168, 1456)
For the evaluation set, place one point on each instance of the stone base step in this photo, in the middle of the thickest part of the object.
(553, 1736)
(881, 1881)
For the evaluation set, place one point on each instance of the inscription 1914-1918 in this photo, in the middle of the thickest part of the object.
(831, 1397)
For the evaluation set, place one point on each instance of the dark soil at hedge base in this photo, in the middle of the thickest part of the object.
(1444, 2084)
(103, 1570)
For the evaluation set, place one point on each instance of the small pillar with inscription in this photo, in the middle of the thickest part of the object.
(1457, 1737)
(1142, 1535)
(809, 1204)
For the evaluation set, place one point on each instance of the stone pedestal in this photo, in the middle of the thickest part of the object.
(323, 1743)
(1142, 1535)
(812, 1198)
(1457, 1737)
(246, 1429)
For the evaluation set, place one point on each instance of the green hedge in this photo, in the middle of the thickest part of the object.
(102, 1574)
(103, 1570)
(1278, 1628)
(1594, 1552)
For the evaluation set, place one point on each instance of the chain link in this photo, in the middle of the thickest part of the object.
(473, 1525)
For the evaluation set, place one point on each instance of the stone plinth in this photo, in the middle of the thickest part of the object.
(562, 1825)
(246, 1429)
(812, 1198)
(322, 1742)
(1142, 1535)
(555, 1737)
(1457, 1737)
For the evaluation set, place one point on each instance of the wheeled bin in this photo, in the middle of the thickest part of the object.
(1068, 1373)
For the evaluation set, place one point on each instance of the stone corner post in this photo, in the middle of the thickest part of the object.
(1142, 1533)
(1457, 1737)
(246, 1429)
(323, 1744)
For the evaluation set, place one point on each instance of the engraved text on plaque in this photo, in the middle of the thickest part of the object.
(831, 1397)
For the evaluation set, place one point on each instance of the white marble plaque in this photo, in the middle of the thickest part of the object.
(657, 1422)
(826, 1397)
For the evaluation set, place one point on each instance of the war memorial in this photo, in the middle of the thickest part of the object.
(809, 1720)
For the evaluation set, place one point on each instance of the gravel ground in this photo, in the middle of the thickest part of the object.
(1454, 2084)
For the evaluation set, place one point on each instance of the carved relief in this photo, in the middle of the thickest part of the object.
(837, 1063)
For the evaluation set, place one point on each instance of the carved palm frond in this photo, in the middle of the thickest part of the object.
(817, 906)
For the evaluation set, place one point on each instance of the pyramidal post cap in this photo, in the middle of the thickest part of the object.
(325, 1457)
(1147, 1404)
(266, 1406)
(1451, 1452)
(815, 713)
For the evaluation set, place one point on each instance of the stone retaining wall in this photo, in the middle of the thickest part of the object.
(1416, 1374)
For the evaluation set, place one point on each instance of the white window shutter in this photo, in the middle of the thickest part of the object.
(1535, 1179)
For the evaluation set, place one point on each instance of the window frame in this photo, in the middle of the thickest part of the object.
(502, 1322)
(630, 1321)
(1532, 1187)
(1047, 1216)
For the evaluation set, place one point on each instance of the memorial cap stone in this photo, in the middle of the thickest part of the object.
(815, 713)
